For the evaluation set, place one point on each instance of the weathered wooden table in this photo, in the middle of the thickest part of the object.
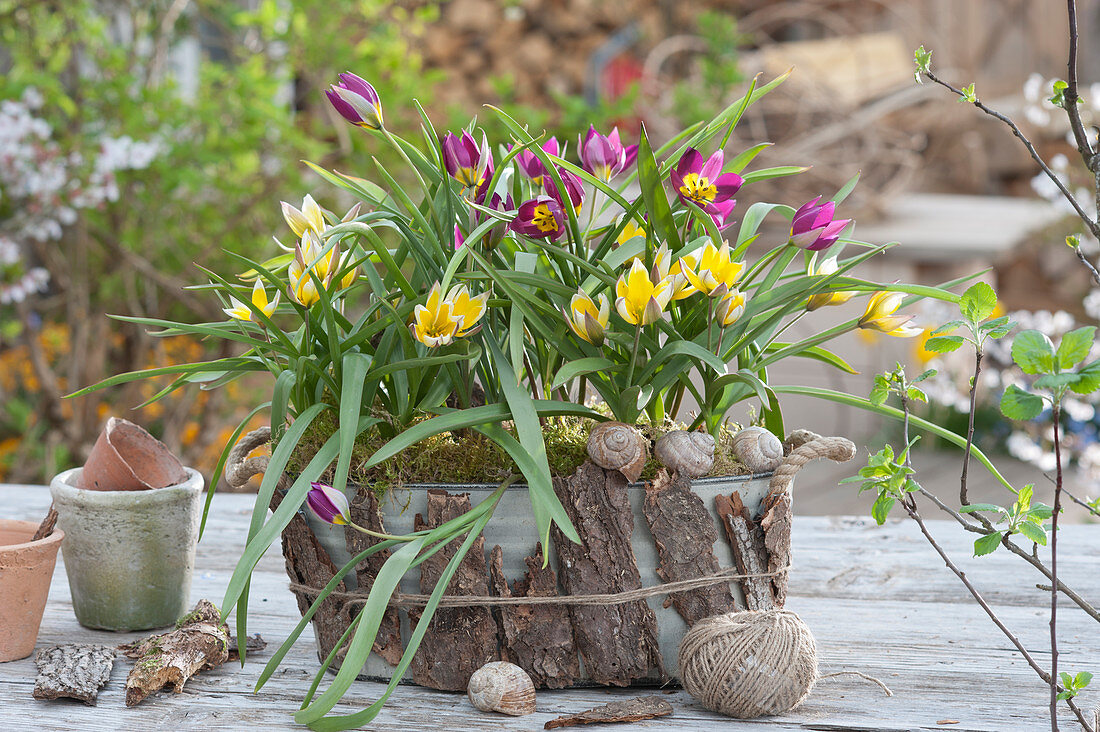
(877, 600)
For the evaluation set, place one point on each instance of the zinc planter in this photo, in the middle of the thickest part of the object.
(129, 555)
(26, 568)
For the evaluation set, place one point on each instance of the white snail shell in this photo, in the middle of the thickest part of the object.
(502, 687)
(758, 450)
(618, 446)
(690, 454)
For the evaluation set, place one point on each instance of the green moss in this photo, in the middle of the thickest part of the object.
(469, 457)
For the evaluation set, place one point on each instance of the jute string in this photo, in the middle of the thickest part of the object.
(610, 598)
(748, 664)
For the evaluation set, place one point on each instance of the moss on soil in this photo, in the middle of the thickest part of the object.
(470, 457)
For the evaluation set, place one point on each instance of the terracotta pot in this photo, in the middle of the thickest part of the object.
(127, 458)
(26, 568)
(129, 554)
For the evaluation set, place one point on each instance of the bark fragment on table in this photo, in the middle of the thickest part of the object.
(459, 640)
(776, 523)
(750, 556)
(633, 710)
(367, 512)
(73, 670)
(537, 638)
(684, 534)
(200, 642)
(618, 643)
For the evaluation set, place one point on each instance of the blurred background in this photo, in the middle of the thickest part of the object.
(140, 139)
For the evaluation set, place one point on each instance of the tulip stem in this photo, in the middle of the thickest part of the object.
(783, 330)
(634, 355)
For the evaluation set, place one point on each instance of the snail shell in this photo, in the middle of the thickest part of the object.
(690, 454)
(758, 450)
(502, 687)
(618, 446)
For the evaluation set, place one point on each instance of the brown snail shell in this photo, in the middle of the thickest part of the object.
(758, 450)
(502, 687)
(690, 454)
(618, 446)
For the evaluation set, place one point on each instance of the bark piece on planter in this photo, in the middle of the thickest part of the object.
(632, 710)
(537, 638)
(460, 640)
(73, 670)
(749, 554)
(684, 534)
(200, 642)
(366, 512)
(618, 643)
(309, 565)
(776, 523)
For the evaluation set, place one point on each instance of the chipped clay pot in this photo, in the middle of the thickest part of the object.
(129, 554)
(26, 568)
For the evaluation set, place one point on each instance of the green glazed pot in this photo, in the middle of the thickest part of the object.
(129, 555)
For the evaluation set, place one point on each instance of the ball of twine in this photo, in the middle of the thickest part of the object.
(748, 664)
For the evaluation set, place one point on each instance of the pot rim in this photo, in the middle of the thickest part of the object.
(708, 480)
(63, 482)
(55, 537)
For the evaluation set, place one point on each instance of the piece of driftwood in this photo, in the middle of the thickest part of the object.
(366, 512)
(309, 565)
(776, 523)
(684, 533)
(73, 671)
(632, 710)
(618, 643)
(460, 640)
(46, 527)
(746, 539)
(200, 642)
(537, 638)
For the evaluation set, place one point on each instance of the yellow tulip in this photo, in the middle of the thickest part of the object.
(467, 309)
(730, 308)
(434, 322)
(825, 299)
(630, 230)
(308, 257)
(880, 315)
(309, 218)
(716, 273)
(638, 299)
(665, 268)
(586, 319)
(240, 311)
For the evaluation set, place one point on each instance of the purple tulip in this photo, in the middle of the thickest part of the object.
(495, 234)
(529, 163)
(573, 186)
(356, 101)
(465, 161)
(721, 216)
(703, 183)
(813, 227)
(460, 240)
(330, 505)
(604, 156)
(540, 218)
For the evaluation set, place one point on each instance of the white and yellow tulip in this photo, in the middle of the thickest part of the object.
(880, 315)
(824, 299)
(442, 319)
(587, 319)
(729, 308)
(716, 273)
(639, 300)
(241, 311)
(308, 218)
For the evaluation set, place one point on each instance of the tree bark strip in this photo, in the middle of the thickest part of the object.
(460, 640)
(537, 638)
(749, 554)
(366, 512)
(618, 643)
(308, 564)
(684, 533)
(75, 671)
(776, 524)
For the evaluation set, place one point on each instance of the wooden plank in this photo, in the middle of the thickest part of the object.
(876, 598)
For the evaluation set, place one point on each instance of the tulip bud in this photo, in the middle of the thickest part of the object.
(330, 505)
(356, 101)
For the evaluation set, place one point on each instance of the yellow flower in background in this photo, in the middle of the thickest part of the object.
(434, 323)
(639, 300)
(880, 315)
(730, 308)
(467, 309)
(310, 255)
(665, 268)
(309, 218)
(629, 231)
(716, 273)
(240, 311)
(824, 299)
(587, 319)
(923, 355)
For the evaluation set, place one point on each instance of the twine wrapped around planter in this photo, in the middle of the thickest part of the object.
(579, 605)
